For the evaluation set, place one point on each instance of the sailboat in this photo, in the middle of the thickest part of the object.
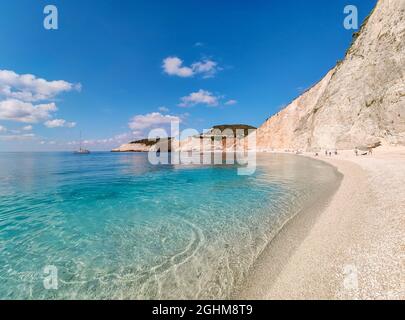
(82, 150)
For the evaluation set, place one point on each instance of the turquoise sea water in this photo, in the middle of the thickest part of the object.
(116, 227)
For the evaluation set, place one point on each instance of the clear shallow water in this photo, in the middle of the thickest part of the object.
(118, 228)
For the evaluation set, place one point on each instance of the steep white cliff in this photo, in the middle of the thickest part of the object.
(359, 102)
(132, 147)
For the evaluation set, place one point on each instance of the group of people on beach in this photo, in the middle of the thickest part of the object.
(328, 153)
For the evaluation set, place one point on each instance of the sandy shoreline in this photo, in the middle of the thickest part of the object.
(351, 246)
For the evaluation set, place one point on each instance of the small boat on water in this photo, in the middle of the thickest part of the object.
(82, 150)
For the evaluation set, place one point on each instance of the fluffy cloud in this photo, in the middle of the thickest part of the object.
(231, 102)
(206, 68)
(164, 109)
(17, 110)
(199, 97)
(29, 88)
(27, 128)
(3, 129)
(140, 123)
(26, 98)
(59, 123)
(174, 66)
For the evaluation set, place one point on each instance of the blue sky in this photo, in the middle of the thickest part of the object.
(125, 67)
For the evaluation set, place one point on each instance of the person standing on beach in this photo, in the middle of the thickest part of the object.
(356, 152)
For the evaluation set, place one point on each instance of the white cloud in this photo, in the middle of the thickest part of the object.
(164, 109)
(207, 68)
(199, 97)
(3, 129)
(16, 110)
(23, 137)
(29, 88)
(231, 102)
(140, 123)
(27, 128)
(20, 97)
(174, 66)
(59, 123)
(198, 44)
(107, 142)
(29, 135)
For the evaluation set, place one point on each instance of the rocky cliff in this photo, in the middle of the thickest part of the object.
(145, 145)
(212, 140)
(360, 101)
(218, 138)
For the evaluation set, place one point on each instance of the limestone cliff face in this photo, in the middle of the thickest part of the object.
(359, 102)
(145, 145)
(218, 138)
(290, 128)
(132, 147)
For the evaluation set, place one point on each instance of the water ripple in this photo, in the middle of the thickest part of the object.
(118, 228)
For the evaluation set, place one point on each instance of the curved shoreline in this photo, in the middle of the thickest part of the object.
(349, 246)
(274, 257)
